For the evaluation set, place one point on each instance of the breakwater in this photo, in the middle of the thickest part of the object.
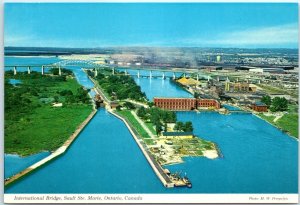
(151, 160)
(54, 155)
(153, 163)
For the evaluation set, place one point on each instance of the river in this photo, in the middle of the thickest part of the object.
(257, 157)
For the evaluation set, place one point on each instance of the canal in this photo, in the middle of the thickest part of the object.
(257, 158)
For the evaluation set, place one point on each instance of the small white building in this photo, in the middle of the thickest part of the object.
(266, 70)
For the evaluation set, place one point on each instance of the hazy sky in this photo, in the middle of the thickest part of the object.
(245, 25)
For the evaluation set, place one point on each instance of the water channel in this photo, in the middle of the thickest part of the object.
(257, 158)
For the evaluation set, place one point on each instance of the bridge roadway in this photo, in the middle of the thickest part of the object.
(196, 72)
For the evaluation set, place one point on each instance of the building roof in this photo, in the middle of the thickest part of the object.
(260, 104)
(177, 133)
(174, 98)
(187, 81)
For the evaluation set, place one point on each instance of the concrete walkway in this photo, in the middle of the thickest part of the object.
(138, 103)
(143, 125)
(277, 118)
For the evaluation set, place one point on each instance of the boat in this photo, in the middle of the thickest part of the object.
(187, 182)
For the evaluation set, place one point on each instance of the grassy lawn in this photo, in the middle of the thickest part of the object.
(274, 90)
(33, 125)
(149, 141)
(289, 123)
(46, 129)
(127, 114)
(268, 118)
(150, 127)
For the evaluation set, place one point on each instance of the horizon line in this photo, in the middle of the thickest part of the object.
(135, 46)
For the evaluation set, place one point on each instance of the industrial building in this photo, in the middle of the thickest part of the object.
(185, 103)
(267, 70)
(259, 107)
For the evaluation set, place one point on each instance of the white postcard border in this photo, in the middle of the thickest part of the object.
(152, 198)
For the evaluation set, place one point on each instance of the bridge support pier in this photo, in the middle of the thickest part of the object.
(197, 77)
(126, 72)
(28, 69)
(174, 76)
(163, 76)
(113, 71)
(218, 79)
(43, 70)
(15, 70)
(150, 74)
(59, 71)
(96, 72)
(138, 74)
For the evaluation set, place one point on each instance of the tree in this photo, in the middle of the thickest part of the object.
(129, 105)
(150, 104)
(279, 104)
(267, 100)
(188, 127)
(179, 126)
(158, 127)
(141, 112)
(196, 95)
(56, 98)
(118, 108)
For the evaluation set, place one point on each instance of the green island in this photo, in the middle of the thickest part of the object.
(166, 138)
(42, 111)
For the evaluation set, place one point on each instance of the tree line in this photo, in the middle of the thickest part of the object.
(275, 104)
(121, 87)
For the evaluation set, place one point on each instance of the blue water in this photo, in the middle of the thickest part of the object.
(158, 87)
(231, 108)
(14, 81)
(258, 158)
(13, 164)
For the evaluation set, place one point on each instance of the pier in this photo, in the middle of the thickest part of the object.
(159, 171)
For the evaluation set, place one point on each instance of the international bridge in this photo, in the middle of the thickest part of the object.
(136, 71)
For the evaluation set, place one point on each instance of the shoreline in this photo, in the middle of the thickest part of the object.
(155, 165)
(285, 132)
(53, 154)
(61, 150)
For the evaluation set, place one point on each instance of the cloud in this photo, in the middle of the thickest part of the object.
(275, 36)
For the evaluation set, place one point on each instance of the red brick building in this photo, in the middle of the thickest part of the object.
(175, 103)
(206, 103)
(260, 107)
(184, 103)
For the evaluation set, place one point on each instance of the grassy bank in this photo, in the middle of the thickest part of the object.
(127, 115)
(32, 124)
(288, 122)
